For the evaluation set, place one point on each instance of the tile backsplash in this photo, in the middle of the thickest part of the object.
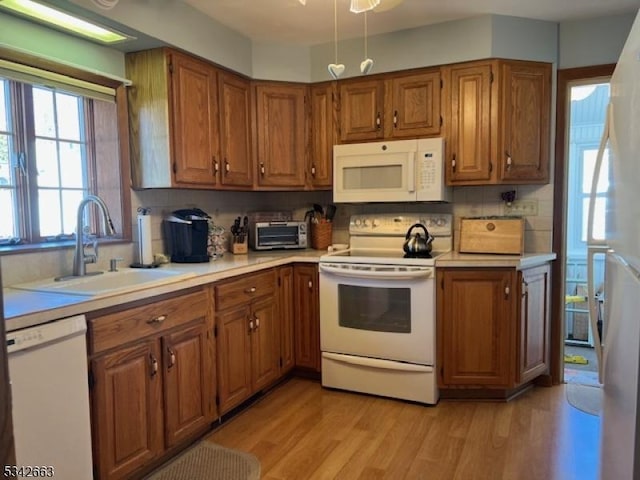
(225, 206)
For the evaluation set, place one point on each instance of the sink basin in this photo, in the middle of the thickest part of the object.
(125, 279)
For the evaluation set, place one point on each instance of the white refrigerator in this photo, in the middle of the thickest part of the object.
(620, 354)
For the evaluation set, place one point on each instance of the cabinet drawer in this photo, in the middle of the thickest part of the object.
(114, 329)
(242, 290)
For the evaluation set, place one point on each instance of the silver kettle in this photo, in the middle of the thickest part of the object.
(416, 244)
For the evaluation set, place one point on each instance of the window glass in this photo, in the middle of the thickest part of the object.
(44, 117)
(47, 163)
(375, 309)
(49, 207)
(589, 162)
(7, 225)
(68, 116)
(4, 105)
(72, 165)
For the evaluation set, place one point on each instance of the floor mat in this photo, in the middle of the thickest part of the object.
(208, 461)
(587, 398)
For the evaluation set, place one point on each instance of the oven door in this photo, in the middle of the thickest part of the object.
(378, 311)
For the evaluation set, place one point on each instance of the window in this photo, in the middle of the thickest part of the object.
(56, 146)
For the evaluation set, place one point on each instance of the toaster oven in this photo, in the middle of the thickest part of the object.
(278, 234)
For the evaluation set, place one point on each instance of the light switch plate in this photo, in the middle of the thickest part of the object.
(527, 208)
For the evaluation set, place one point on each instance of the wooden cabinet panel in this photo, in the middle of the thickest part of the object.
(469, 89)
(127, 406)
(243, 290)
(526, 100)
(115, 329)
(415, 105)
(476, 311)
(234, 357)
(306, 314)
(280, 115)
(235, 127)
(533, 345)
(188, 389)
(361, 110)
(323, 134)
(194, 93)
(264, 343)
(286, 317)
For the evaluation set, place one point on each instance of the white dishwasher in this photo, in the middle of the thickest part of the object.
(49, 385)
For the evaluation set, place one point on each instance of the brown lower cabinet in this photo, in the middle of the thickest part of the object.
(306, 315)
(493, 329)
(153, 387)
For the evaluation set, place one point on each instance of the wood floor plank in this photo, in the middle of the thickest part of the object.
(302, 431)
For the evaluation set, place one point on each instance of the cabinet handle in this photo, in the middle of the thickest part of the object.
(262, 169)
(395, 119)
(310, 285)
(507, 291)
(257, 320)
(158, 319)
(216, 167)
(154, 365)
(172, 357)
(378, 121)
(313, 170)
(250, 290)
(250, 326)
(227, 167)
(509, 162)
(453, 162)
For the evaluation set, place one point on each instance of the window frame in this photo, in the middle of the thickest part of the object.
(124, 228)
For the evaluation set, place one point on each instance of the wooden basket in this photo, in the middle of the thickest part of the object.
(321, 235)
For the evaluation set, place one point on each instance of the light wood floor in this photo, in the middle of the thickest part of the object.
(302, 431)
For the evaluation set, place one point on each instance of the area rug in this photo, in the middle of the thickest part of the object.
(582, 377)
(208, 461)
(587, 398)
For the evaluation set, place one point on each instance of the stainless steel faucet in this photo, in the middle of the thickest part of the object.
(80, 259)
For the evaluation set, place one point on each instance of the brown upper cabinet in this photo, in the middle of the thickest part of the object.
(497, 122)
(183, 134)
(281, 134)
(391, 106)
(322, 134)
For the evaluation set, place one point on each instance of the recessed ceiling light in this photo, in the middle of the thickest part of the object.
(66, 22)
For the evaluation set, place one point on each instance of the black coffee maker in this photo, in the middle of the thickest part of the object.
(187, 235)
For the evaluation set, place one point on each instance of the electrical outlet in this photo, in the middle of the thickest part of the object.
(524, 208)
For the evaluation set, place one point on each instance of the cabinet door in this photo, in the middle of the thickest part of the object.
(476, 316)
(361, 110)
(234, 357)
(526, 104)
(195, 120)
(415, 106)
(323, 135)
(468, 157)
(307, 318)
(188, 388)
(285, 319)
(235, 130)
(533, 344)
(280, 116)
(265, 356)
(127, 409)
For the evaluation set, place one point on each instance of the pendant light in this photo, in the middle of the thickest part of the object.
(367, 64)
(359, 6)
(335, 69)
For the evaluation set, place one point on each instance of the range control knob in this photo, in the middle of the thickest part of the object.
(441, 222)
(365, 223)
(375, 223)
(357, 222)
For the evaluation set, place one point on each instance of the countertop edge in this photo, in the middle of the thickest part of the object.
(470, 260)
(54, 306)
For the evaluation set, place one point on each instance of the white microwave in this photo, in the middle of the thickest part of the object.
(395, 171)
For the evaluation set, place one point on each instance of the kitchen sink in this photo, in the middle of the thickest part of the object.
(125, 279)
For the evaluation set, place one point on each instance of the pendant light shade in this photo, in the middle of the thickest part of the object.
(359, 6)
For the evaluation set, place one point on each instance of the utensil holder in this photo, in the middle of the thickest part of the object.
(321, 235)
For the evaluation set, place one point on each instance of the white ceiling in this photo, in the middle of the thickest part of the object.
(289, 22)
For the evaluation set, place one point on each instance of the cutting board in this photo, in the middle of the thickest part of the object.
(492, 235)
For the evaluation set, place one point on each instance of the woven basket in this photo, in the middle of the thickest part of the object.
(321, 235)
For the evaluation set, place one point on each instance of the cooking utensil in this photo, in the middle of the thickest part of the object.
(319, 210)
(330, 213)
(415, 244)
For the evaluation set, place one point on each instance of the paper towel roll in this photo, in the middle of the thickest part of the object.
(145, 252)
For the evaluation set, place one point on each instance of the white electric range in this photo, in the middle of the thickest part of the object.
(377, 309)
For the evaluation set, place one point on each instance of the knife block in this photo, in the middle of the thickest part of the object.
(237, 247)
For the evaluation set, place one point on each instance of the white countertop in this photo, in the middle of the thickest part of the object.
(519, 262)
(23, 308)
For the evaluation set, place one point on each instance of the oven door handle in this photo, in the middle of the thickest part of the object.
(376, 362)
(382, 274)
